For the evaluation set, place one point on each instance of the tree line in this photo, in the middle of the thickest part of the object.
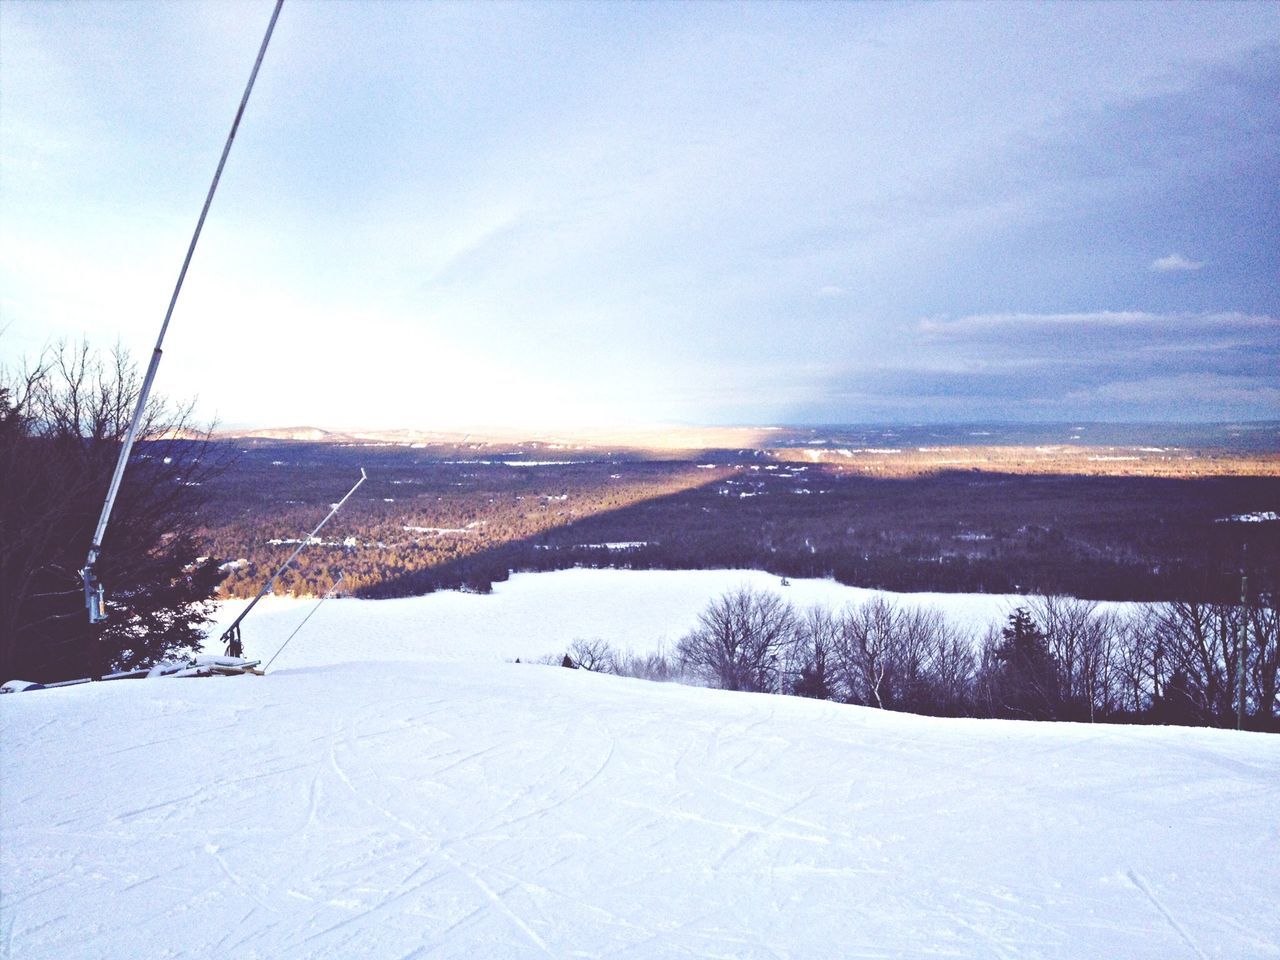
(1055, 658)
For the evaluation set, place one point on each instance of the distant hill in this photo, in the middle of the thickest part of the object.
(1252, 437)
(308, 434)
(658, 437)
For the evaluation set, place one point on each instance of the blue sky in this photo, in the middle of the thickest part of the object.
(453, 215)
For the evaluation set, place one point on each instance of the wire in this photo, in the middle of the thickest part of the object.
(327, 595)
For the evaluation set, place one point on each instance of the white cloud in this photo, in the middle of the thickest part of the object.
(1209, 391)
(1003, 322)
(831, 290)
(1175, 263)
(1005, 325)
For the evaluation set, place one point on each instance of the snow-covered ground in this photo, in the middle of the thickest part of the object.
(536, 614)
(381, 796)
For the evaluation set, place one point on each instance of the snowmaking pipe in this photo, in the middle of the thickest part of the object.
(231, 636)
(93, 593)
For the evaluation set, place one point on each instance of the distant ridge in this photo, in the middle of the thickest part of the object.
(1257, 436)
(646, 437)
(311, 434)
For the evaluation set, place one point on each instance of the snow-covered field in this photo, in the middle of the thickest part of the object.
(536, 614)
(396, 789)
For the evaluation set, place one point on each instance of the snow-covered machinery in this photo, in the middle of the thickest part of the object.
(200, 665)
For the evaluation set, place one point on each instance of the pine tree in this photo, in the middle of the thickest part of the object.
(1027, 675)
(1176, 704)
(61, 425)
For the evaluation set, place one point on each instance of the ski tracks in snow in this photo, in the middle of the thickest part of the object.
(1140, 884)
(362, 777)
(462, 810)
(433, 848)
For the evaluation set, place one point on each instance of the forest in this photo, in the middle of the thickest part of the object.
(1055, 658)
(1095, 525)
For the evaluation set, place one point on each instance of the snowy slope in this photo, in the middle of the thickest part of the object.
(534, 614)
(435, 807)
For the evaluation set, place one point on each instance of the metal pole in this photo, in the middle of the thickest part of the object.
(93, 594)
(232, 634)
(1240, 649)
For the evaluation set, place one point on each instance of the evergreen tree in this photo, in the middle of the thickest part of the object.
(813, 681)
(1176, 703)
(1026, 681)
(61, 427)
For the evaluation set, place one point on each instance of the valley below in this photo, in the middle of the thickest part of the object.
(1001, 513)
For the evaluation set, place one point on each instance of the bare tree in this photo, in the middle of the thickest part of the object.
(919, 631)
(1201, 641)
(656, 666)
(1140, 661)
(902, 658)
(595, 655)
(742, 641)
(950, 672)
(1079, 636)
(1263, 619)
(813, 665)
(867, 651)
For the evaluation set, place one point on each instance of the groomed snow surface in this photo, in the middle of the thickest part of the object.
(395, 788)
